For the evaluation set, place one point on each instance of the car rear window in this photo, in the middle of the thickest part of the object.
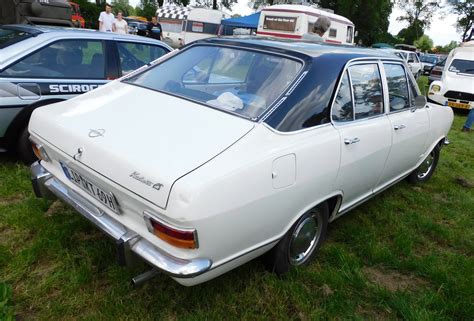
(240, 81)
(9, 37)
(462, 66)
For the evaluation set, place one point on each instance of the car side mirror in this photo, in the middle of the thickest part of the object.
(420, 101)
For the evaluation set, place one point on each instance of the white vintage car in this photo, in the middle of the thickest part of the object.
(456, 86)
(236, 147)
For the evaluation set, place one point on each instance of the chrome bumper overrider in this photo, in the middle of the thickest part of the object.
(45, 185)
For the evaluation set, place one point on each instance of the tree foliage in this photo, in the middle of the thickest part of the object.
(424, 43)
(465, 16)
(123, 6)
(418, 14)
(147, 8)
(90, 12)
(371, 18)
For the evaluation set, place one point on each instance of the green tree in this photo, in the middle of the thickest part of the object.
(464, 9)
(418, 14)
(147, 8)
(90, 12)
(411, 33)
(124, 6)
(453, 44)
(424, 43)
(369, 17)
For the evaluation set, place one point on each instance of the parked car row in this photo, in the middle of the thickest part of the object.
(41, 65)
(231, 148)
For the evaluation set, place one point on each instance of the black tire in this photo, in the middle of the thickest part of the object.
(424, 172)
(279, 259)
(24, 150)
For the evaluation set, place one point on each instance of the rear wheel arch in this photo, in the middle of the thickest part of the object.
(21, 120)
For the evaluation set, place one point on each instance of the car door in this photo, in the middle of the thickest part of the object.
(409, 125)
(133, 55)
(59, 70)
(365, 132)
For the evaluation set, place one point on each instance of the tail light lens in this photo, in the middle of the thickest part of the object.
(39, 151)
(179, 237)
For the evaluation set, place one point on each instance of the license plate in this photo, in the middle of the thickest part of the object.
(458, 105)
(106, 198)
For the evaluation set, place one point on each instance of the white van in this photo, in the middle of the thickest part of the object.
(293, 21)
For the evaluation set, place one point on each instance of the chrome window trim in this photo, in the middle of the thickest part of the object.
(346, 67)
(295, 132)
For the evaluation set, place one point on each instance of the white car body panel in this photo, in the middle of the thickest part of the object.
(452, 81)
(240, 184)
(184, 122)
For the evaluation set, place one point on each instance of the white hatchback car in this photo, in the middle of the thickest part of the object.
(456, 87)
(236, 147)
(411, 58)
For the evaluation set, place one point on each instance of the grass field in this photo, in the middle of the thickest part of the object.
(405, 254)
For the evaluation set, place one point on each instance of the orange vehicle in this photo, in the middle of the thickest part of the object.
(76, 17)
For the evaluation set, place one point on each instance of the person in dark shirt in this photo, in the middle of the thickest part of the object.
(154, 29)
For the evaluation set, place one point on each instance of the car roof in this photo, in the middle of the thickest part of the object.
(311, 49)
(36, 30)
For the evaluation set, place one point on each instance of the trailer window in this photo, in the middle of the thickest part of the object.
(333, 33)
(202, 27)
(280, 23)
(350, 33)
(171, 25)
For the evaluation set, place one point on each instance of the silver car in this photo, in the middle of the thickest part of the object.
(43, 65)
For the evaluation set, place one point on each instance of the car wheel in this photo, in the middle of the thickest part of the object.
(426, 169)
(301, 243)
(24, 150)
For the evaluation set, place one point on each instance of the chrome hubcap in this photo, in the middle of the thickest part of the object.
(425, 167)
(304, 240)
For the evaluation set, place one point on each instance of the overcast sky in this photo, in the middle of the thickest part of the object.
(442, 29)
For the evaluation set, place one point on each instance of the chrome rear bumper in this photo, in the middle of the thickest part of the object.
(45, 185)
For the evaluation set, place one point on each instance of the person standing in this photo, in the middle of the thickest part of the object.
(319, 29)
(154, 29)
(120, 26)
(469, 121)
(106, 19)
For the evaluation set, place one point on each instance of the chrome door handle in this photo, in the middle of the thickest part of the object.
(349, 141)
(398, 127)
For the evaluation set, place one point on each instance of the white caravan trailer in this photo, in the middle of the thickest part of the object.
(202, 23)
(172, 19)
(184, 25)
(293, 21)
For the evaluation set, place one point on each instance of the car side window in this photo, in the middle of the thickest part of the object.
(342, 110)
(134, 55)
(367, 89)
(80, 59)
(397, 87)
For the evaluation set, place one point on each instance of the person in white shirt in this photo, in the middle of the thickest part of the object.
(106, 19)
(120, 26)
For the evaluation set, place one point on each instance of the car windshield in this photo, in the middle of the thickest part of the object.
(9, 37)
(429, 59)
(401, 54)
(462, 66)
(239, 81)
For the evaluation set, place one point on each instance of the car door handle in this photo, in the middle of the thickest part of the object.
(398, 127)
(349, 141)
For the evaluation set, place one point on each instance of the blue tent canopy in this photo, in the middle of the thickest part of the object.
(243, 22)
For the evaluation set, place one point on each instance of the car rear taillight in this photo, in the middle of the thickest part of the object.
(180, 237)
(39, 151)
(436, 72)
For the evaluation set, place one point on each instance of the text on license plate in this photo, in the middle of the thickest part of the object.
(458, 105)
(92, 189)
